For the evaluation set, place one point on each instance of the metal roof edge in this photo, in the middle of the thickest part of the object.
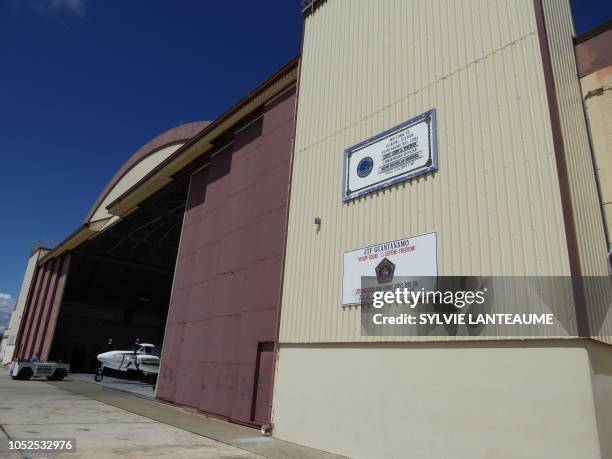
(272, 86)
(286, 76)
(601, 28)
(82, 233)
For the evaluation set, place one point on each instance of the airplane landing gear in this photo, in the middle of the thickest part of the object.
(99, 376)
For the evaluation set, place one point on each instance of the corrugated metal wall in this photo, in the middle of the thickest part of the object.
(226, 290)
(41, 309)
(585, 201)
(14, 325)
(590, 230)
(599, 111)
(495, 201)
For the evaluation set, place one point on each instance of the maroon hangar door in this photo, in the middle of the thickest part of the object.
(41, 309)
(219, 346)
(263, 383)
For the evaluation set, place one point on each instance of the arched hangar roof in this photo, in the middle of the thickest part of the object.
(141, 163)
(152, 167)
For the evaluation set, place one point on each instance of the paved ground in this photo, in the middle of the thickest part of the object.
(133, 386)
(35, 409)
(108, 423)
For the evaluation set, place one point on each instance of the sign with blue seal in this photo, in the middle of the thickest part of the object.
(398, 154)
(364, 168)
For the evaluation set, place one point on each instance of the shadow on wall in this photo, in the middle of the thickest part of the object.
(601, 377)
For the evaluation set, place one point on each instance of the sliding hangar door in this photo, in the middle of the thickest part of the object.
(225, 296)
(183, 249)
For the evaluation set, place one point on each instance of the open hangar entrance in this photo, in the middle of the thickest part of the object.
(119, 283)
(222, 190)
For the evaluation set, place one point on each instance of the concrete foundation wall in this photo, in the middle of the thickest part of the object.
(503, 400)
(600, 356)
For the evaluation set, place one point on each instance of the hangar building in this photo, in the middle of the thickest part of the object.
(510, 190)
(482, 107)
(184, 248)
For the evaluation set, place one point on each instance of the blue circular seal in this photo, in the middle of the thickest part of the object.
(365, 166)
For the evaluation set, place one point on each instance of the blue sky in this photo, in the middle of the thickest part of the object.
(85, 83)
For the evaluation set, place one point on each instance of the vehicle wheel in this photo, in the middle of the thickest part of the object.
(24, 374)
(98, 377)
(58, 375)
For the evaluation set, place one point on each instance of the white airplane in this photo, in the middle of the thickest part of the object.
(144, 358)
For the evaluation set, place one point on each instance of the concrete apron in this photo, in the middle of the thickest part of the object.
(237, 436)
(34, 410)
(135, 387)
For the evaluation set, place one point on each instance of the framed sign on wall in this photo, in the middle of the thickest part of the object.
(412, 257)
(393, 156)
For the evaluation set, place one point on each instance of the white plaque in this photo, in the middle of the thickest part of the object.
(390, 157)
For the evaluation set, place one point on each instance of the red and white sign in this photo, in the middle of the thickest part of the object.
(411, 257)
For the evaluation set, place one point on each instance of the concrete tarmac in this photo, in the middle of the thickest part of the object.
(108, 423)
(135, 387)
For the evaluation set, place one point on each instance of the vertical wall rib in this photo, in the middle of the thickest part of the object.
(590, 238)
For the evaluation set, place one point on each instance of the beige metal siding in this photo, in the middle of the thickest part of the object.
(131, 178)
(585, 200)
(599, 112)
(597, 91)
(590, 232)
(495, 205)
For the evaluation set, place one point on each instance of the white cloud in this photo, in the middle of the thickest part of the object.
(74, 6)
(7, 303)
(50, 6)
